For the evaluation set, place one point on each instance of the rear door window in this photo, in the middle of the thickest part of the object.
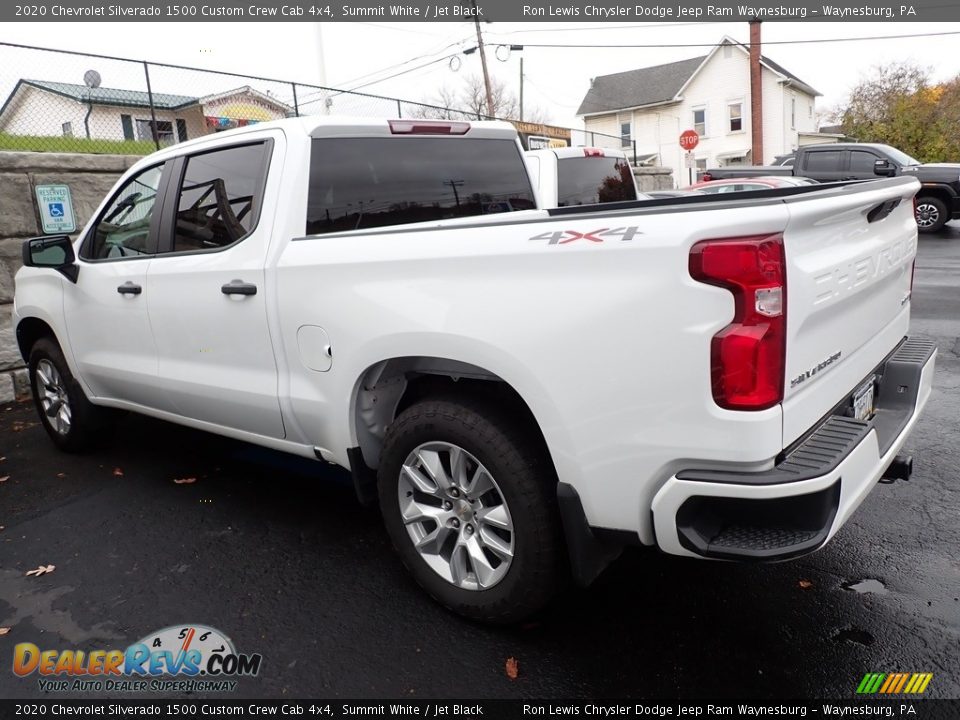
(823, 165)
(591, 180)
(219, 197)
(358, 183)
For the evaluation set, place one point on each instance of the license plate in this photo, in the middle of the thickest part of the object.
(863, 401)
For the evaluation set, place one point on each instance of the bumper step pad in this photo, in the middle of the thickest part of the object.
(780, 528)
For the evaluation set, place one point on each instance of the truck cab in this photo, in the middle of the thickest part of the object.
(566, 177)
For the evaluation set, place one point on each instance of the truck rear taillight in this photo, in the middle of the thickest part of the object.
(428, 127)
(706, 177)
(748, 357)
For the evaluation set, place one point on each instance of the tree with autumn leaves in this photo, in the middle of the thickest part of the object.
(900, 106)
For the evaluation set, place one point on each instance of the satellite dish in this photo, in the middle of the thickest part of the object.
(91, 78)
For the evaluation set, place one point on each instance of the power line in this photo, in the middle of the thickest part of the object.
(718, 44)
(402, 72)
(548, 97)
(405, 62)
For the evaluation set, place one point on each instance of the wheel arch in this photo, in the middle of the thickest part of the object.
(29, 330)
(940, 192)
(383, 390)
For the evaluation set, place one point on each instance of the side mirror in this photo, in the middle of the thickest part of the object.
(51, 251)
(884, 168)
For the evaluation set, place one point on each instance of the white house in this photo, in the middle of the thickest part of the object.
(45, 108)
(709, 94)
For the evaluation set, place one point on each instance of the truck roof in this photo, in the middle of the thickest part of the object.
(843, 146)
(319, 126)
(578, 151)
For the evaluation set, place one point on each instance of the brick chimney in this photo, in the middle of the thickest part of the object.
(756, 95)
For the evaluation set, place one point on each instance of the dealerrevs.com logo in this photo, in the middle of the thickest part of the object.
(179, 658)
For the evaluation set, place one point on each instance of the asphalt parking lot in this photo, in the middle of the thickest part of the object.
(289, 566)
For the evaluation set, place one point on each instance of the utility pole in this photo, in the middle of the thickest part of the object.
(521, 88)
(454, 184)
(483, 58)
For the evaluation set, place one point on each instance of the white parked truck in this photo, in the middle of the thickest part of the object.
(564, 177)
(524, 391)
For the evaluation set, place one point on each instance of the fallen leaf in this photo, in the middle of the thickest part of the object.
(117, 472)
(4, 631)
(185, 481)
(2, 458)
(61, 475)
(4, 478)
(42, 570)
(513, 669)
(805, 584)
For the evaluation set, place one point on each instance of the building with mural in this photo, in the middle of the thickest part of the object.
(45, 108)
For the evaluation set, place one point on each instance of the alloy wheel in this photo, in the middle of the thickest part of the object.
(927, 215)
(456, 515)
(52, 392)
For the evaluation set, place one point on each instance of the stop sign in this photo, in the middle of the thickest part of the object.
(689, 139)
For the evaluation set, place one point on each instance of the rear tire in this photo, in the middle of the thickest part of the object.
(931, 214)
(70, 419)
(476, 492)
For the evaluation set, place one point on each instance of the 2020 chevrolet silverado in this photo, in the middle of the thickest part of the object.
(523, 390)
(938, 200)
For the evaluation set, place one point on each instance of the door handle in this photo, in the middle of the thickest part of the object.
(129, 288)
(238, 287)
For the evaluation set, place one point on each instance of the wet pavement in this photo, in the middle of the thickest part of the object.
(286, 564)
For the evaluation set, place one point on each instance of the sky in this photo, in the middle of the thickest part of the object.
(352, 54)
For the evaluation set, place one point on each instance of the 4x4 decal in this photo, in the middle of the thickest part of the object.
(562, 237)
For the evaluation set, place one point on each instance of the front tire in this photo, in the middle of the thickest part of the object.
(70, 419)
(468, 497)
(931, 214)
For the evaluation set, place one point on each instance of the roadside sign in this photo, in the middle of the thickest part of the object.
(689, 139)
(537, 142)
(689, 161)
(56, 209)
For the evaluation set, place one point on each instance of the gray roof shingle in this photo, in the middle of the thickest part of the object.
(657, 84)
(636, 88)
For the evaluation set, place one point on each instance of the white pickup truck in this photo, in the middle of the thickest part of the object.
(564, 177)
(523, 390)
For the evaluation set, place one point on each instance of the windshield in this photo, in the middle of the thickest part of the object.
(900, 158)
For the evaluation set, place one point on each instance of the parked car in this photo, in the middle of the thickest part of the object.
(571, 176)
(750, 183)
(657, 194)
(512, 384)
(938, 200)
(784, 160)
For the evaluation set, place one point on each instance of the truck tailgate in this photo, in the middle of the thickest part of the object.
(849, 266)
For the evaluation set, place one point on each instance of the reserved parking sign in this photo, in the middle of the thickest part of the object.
(56, 209)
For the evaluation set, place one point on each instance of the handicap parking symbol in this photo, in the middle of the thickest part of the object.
(56, 209)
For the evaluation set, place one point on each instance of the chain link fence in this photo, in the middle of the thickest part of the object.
(59, 101)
